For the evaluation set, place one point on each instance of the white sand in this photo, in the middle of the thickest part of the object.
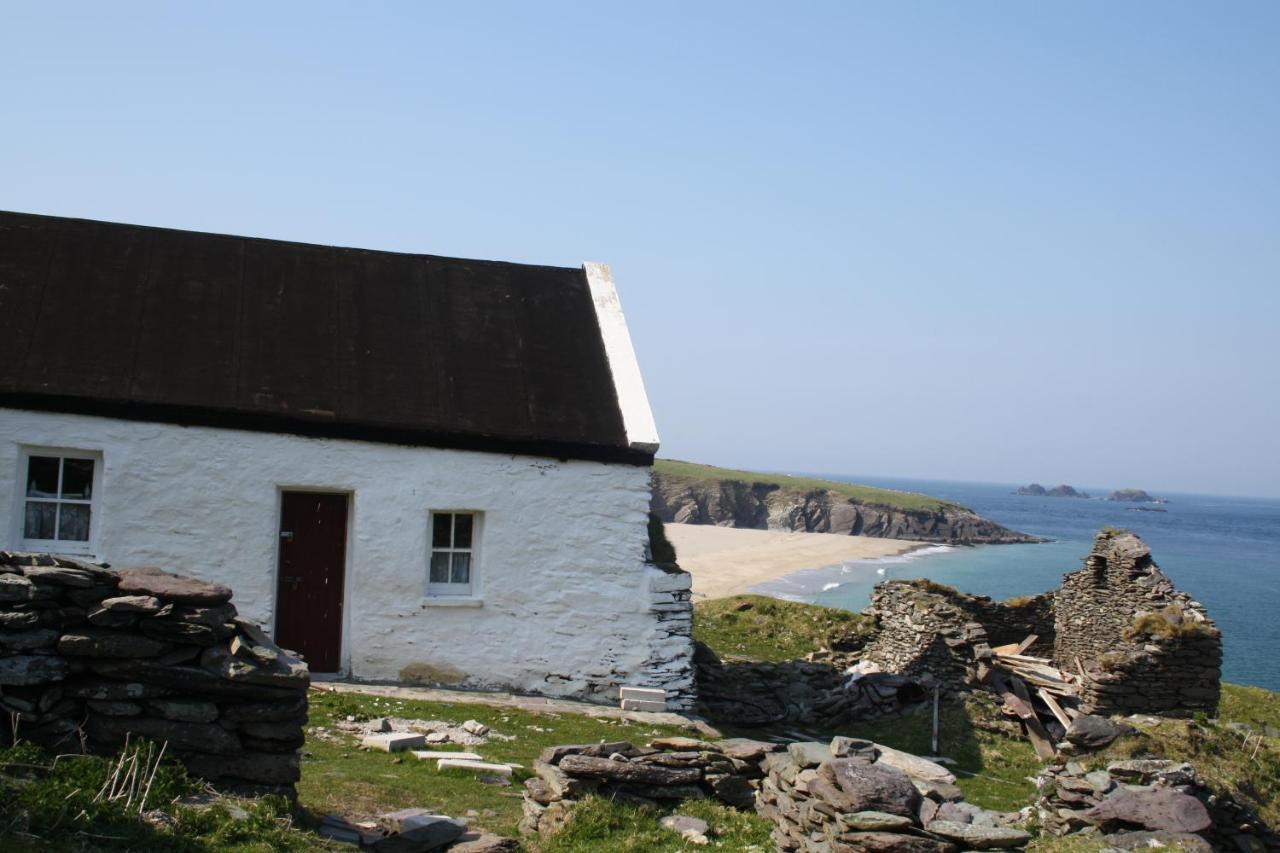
(727, 561)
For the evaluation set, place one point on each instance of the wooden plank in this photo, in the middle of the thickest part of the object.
(1036, 733)
(1009, 649)
(1021, 658)
(1054, 708)
(1040, 681)
(1027, 643)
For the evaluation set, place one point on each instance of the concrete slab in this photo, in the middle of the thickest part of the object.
(644, 694)
(482, 766)
(393, 742)
(432, 755)
(643, 705)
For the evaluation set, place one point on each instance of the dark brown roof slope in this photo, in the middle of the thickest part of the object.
(185, 327)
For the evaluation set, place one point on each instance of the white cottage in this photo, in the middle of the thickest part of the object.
(410, 468)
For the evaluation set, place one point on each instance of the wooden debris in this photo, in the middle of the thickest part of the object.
(1054, 708)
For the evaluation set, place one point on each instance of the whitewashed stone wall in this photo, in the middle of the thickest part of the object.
(565, 604)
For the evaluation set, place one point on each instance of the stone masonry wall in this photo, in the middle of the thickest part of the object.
(926, 629)
(670, 662)
(1145, 646)
(106, 655)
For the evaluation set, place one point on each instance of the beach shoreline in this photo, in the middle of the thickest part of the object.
(726, 561)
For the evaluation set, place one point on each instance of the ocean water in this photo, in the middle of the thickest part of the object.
(1224, 551)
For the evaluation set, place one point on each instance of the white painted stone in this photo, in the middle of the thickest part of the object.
(433, 755)
(393, 742)
(642, 705)
(645, 694)
(481, 766)
(637, 416)
(560, 567)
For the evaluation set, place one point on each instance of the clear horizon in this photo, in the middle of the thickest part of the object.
(995, 243)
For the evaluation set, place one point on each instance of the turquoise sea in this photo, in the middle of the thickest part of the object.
(1225, 551)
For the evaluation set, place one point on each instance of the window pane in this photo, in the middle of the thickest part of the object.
(42, 477)
(461, 568)
(462, 530)
(440, 530)
(39, 520)
(73, 523)
(440, 567)
(77, 479)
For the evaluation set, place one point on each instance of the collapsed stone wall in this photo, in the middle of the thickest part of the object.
(90, 653)
(927, 630)
(1145, 646)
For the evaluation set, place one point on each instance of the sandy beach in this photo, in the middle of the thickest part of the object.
(728, 561)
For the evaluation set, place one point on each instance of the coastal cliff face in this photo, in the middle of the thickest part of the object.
(768, 506)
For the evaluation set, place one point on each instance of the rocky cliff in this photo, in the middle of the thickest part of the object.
(811, 508)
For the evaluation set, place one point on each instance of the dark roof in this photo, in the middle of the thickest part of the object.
(193, 328)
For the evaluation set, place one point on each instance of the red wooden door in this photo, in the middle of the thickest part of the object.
(313, 556)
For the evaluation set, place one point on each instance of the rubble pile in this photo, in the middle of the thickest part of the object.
(415, 831)
(853, 795)
(1143, 803)
(85, 651)
(666, 771)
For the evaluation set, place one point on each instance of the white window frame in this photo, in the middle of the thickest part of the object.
(58, 546)
(455, 591)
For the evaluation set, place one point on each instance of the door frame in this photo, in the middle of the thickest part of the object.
(349, 492)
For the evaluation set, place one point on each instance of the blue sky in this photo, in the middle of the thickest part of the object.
(986, 241)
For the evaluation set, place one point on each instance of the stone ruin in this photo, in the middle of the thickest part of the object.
(90, 657)
(853, 795)
(1145, 647)
(1138, 644)
(668, 770)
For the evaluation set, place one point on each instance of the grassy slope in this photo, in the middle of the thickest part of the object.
(763, 628)
(675, 469)
(994, 769)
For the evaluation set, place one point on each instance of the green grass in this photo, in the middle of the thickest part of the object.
(598, 825)
(675, 469)
(772, 629)
(47, 803)
(1248, 768)
(340, 779)
(994, 770)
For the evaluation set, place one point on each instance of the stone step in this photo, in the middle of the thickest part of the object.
(642, 705)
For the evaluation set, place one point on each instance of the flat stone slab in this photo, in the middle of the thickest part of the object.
(393, 742)
(480, 766)
(149, 580)
(979, 837)
(432, 755)
(876, 821)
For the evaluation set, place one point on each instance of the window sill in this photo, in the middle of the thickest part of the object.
(452, 601)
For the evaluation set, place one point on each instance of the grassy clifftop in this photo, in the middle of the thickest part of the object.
(675, 469)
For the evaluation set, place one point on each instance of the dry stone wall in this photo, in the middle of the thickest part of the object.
(1145, 646)
(90, 653)
(931, 631)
